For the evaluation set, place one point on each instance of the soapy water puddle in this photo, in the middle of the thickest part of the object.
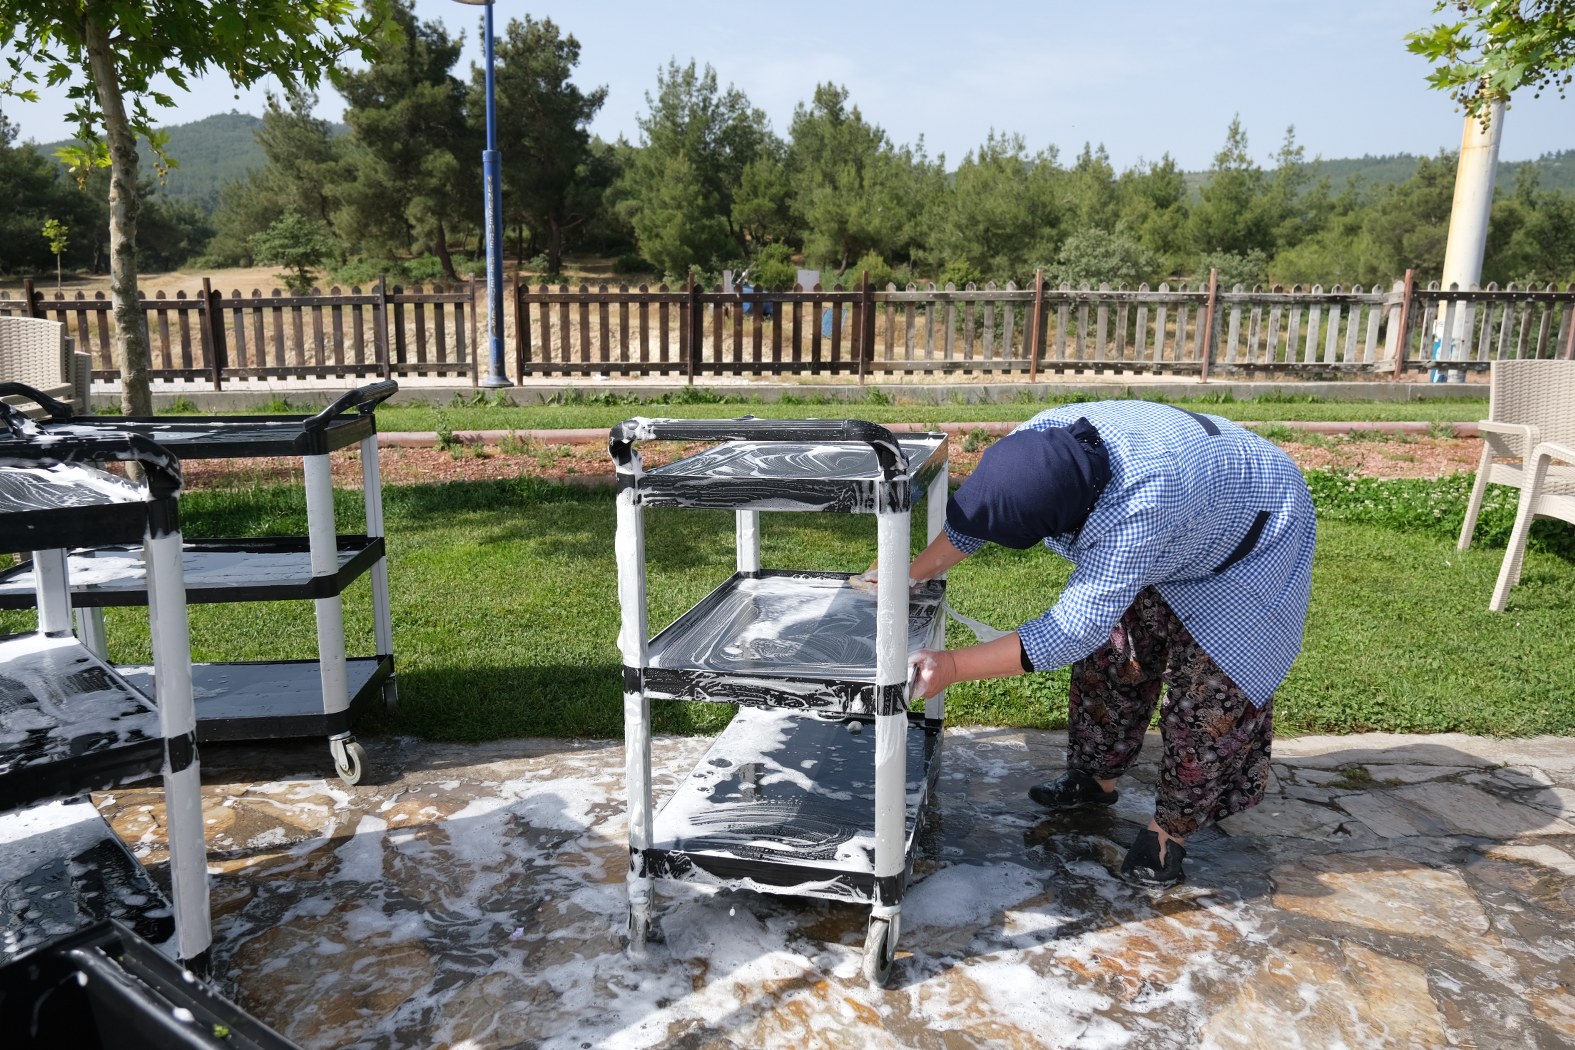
(481, 903)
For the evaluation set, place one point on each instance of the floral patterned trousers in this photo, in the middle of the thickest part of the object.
(1216, 741)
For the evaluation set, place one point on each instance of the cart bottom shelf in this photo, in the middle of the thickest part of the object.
(785, 803)
(272, 701)
(62, 869)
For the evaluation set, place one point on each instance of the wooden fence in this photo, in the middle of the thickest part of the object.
(210, 336)
(695, 334)
(1187, 330)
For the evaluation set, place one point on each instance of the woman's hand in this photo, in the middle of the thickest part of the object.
(867, 580)
(932, 670)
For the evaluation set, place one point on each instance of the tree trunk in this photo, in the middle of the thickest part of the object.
(445, 257)
(131, 341)
(554, 245)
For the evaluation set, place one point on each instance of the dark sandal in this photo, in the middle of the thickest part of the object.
(1143, 867)
(1072, 790)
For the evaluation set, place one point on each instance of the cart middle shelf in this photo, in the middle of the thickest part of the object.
(783, 639)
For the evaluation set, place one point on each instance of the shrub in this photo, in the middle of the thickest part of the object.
(297, 243)
(424, 269)
(361, 271)
(871, 263)
(961, 273)
(1246, 270)
(1093, 255)
(631, 263)
(773, 267)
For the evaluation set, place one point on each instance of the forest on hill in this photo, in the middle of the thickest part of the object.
(709, 185)
(216, 151)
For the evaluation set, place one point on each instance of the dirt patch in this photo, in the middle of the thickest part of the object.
(1379, 457)
(1390, 456)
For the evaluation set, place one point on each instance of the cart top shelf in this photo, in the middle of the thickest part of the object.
(348, 420)
(52, 493)
(846, 466)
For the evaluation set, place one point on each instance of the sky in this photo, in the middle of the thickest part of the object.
(1143, 78)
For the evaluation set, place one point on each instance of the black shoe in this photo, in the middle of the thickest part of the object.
(1143, 867)
(1072, 790)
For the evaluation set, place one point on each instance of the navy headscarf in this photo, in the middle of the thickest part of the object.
(1032, 484)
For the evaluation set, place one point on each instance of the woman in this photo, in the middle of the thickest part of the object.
(1192, 545)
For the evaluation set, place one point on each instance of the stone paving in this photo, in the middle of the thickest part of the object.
(1392, 891)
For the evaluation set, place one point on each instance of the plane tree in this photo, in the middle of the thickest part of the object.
(1492, 48)
(120, 59)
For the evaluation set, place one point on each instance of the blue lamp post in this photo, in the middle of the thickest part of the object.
(493, 202)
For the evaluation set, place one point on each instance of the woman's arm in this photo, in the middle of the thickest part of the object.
(935, 559)
(939, 668)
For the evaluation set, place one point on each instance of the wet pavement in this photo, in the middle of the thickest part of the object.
(1407, 891)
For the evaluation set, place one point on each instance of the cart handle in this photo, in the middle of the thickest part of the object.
(750, 428)
(58, 411)
(363, 398)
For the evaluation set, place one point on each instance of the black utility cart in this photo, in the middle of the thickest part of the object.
(816, 787)
(270, 699)
(70, 723)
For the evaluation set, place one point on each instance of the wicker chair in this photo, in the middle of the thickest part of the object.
(37, 351)
(1547, 492)
(1529, 402)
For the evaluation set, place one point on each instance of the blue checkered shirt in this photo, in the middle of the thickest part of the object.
(1179, 505)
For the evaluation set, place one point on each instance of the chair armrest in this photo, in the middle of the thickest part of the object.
(1508, 439)
(1552, 450)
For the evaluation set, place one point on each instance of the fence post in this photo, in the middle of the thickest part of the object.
(693, 328)
(470, 288)
(1569, 323)
(212, 333)
(1405, 321)
(30, 306)
(380, 318)
(866, 324)
(521, 324)
(1208, 323)
(1036, 325)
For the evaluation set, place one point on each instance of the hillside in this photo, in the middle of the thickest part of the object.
(217, 150)
(211, 153)
(1557, 170)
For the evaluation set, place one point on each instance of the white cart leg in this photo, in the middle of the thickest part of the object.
(632, 637)
(747, 539)
(52, 588)
(383, 620)
(891, 743)
(178, 724)
(90, 631)
(935, 522)
(323, 538)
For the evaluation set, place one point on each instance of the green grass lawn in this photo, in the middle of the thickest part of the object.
(512, 410)
(506, 614)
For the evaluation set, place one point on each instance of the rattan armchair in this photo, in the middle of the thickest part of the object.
(36, 351)
(1529, 402)
(1548, 492)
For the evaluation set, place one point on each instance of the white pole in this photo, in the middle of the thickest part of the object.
(1468, 226)
(747, 539)
(323, 541)
(633, 639)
